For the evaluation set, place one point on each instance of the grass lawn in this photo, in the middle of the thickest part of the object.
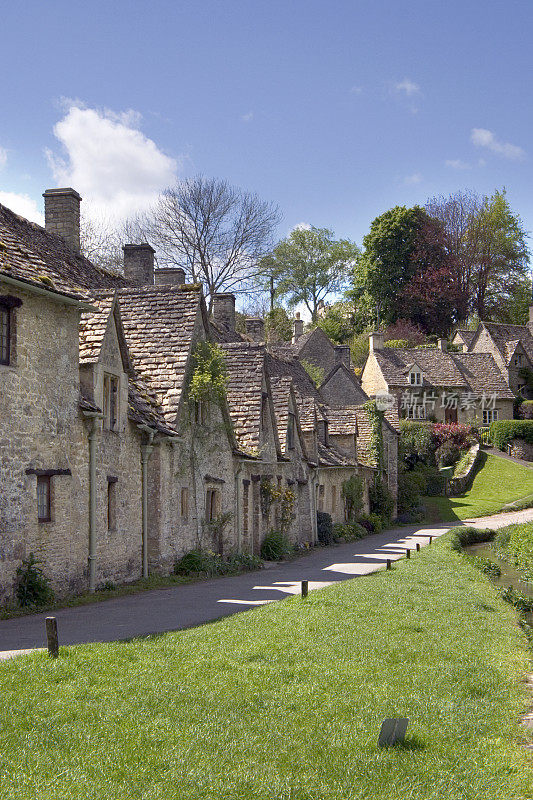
(498, 482)
(285, 702)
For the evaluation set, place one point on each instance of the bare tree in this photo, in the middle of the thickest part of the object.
(215, 232)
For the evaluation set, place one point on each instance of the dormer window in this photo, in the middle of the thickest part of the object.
(415, 377)
(518, 360)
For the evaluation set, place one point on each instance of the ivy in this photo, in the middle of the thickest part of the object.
(315, 373)
(209, 378)
(375, 417)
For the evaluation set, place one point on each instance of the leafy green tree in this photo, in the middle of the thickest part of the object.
(278, 325)
(309, 265)
(338, 322)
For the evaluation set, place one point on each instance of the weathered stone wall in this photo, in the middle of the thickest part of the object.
(520, 449)
(339, 391)
(372, 379)
(461, 482)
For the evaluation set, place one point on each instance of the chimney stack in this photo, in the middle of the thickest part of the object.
(169, 276)
(442, 344)
(342, 354)
(223, 310)
(376, 341)
(298, 328)
(255, 328)
(139, 264)
(62, 215)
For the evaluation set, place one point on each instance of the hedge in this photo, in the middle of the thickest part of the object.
(505, 430)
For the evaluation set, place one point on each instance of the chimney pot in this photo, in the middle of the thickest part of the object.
(442, 344)
(255, 328)
(342, 354)
(139, 264)
(62, 215)
(223, 310)
(169, 276)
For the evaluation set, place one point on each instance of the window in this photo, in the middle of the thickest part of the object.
(200, 412)
(333, 499)
(321, 498)
(518, 360)
(43, 499)
(212, 504)
(489, 415)
(415, 377)
(416, 412)
(111, 504)
(184, 504)
(290, 432)
(5, 334)
(110, 402)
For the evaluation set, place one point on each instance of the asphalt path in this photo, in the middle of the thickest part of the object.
(177, 607)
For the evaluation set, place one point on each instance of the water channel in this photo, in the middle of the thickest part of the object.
(510, 575)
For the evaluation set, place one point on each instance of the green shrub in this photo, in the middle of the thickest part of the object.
(503, 431)
(352, 493)
(410, 486)
(397, 344)
(209, 564)
(371, 522)
(525, 410)
(32, 587)
(324, 525)
(447, 454)
(434, 482)
(381, 500)
(462, 537)
(349, 531)
(275, 546)
(315, 373)
(416, 443)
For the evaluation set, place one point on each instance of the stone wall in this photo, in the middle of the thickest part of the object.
(462, 482)
(518, 448)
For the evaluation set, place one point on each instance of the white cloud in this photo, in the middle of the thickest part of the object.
(301, 226)
(481, 137)
(3, 157)
(412, 180)
(109, 161)
(356, 90)
(22, 204)
(408, 87)
(248, 117)
(456, 163)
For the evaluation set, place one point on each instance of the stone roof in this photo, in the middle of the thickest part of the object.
(364, 437)
(281, 395)
(93, 325)
(481, 374)
(502, 335)
(466, 336)
(31, 254)
(342, 421)
(359, 395)
(143, 408)
(330, 456)
(245, 362)
(277, 366)
(159, 323)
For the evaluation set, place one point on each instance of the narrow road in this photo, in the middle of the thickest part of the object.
(178, 607)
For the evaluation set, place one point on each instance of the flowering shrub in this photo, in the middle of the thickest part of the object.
(460, 436)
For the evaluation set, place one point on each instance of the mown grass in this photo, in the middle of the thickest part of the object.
(285, 702)
(497, 483)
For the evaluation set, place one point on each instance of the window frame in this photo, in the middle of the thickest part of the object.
(184, 503)
(418, 376)
(212, 504)
(5, 347)
(46, 482)
(111, 503)
(111, 401)
(490, 415)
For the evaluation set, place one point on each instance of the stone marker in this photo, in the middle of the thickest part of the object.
(392, 731)
(305, 588)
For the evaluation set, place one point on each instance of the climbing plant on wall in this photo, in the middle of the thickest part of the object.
(375, 417)
(209, 378)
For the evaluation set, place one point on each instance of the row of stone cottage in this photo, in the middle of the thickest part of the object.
(107, 470)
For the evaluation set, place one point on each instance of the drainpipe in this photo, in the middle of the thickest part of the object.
(94, 417)
(238, 507)
(146, 451)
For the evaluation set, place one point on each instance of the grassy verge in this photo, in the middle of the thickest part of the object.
(497, 483)
(285, 702)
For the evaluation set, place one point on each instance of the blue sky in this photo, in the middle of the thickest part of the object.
(336, 111)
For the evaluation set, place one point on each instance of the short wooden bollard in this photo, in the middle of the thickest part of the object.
(430, 539)
(305, 588)
(389, 564)
(51, 637)
(407, 553)
(418, 547)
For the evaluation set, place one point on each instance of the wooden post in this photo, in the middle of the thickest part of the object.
(418, 546)
(305, 588)
(388, 563)
(430, 539)
(51, 637)
(407, 553)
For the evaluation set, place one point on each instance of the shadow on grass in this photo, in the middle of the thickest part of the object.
(409, 743)
(443, 509)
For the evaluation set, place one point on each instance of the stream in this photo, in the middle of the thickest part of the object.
(510, 575)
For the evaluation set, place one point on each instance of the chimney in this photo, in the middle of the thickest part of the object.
(223, 310)
(298, 328)
(62, 215)
(342, 354)
(139, 264)
(376, 341)
(169, 276)
(442, 344)
(255, 328)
